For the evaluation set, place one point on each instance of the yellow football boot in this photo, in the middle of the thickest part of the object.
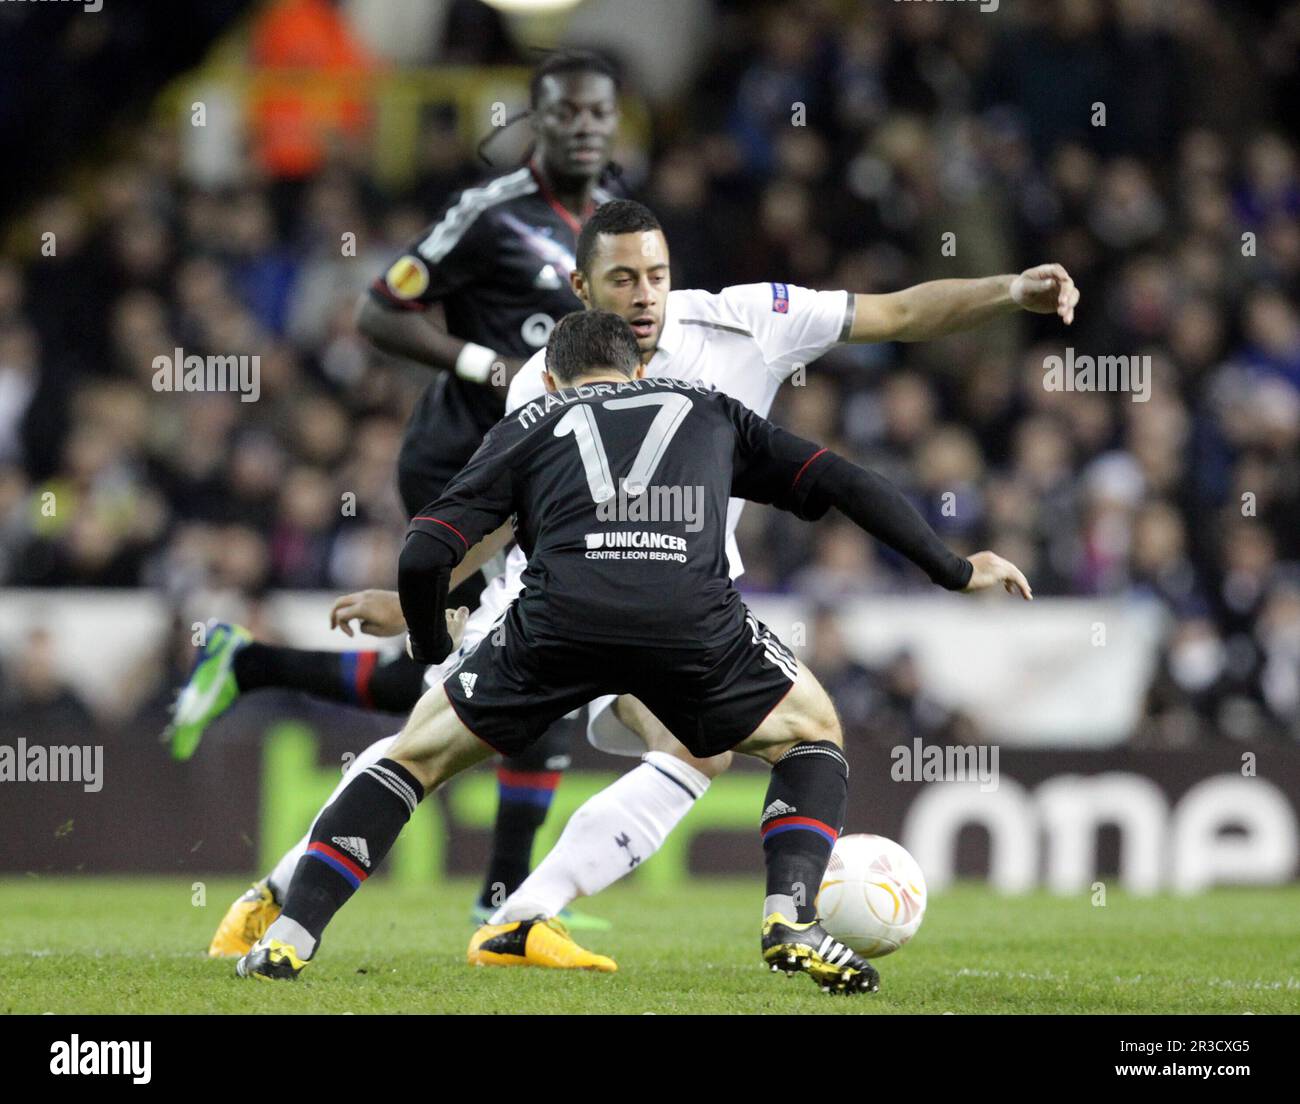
(272, 960)
(536, 942)
(807, 948)
(245, 922)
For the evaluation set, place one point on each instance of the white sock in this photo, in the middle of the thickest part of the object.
(293, 933)
(782, 903)
(611, 834)
(282, 875)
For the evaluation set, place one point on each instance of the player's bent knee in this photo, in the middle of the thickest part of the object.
(818, 724)
(822, 730)
(711, 767)
(813, 718)
(714, 765)
(633, 713)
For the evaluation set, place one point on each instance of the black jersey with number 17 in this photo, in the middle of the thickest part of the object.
(619, 494)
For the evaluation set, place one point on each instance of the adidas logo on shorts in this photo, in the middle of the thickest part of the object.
(776, 809)
(467, 681)
(354, 846)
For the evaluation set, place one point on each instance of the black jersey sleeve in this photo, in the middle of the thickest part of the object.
(423, 576)
(454, 252)
(478, 499)
(874, 504)
(473, 504)
(773, 466)
(780, 469)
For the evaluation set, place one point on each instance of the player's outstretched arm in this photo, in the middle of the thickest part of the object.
(942, 307)
(877, 506)
(774, 466)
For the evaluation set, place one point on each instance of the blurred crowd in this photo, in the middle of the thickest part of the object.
(1148, 147)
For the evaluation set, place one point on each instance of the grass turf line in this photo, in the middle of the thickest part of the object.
(102, 945)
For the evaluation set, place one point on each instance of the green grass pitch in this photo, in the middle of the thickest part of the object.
(90, 945)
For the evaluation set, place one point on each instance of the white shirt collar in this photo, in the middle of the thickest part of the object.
(670, 337)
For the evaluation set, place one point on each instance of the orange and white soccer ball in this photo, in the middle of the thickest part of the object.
(872, 896)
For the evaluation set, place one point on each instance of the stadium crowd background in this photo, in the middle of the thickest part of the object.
(920, 121)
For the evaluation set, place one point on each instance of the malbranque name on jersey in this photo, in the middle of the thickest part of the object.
(554, 400)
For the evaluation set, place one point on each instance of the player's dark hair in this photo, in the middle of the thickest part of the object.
(588, 341)
(570, 61)
(618, 216)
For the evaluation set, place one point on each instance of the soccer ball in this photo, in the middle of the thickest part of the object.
(872, 896)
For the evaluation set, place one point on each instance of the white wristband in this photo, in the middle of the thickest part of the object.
(474, 362)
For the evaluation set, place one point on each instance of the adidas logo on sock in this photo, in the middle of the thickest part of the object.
(467, 681)
(776, 809)
(356, 847)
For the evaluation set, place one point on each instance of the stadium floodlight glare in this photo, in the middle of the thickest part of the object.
(532, 7)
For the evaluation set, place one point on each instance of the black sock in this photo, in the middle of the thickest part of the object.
(357, 678)
(349, 840)
(523, 800)
(802, 818)
(525, 786)
(396, 684)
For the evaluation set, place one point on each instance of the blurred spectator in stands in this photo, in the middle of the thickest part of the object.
(34, 698)
(850, 684)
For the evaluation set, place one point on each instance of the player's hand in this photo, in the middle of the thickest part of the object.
(456, 621)
(1045, 289)
(379, 611)
(991, 569)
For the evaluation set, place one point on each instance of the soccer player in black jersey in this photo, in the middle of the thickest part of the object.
(497, 259)
(623, 594)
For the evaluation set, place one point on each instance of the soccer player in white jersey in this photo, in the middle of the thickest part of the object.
(746, 341)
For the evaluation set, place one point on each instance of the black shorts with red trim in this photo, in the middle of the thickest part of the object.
(513, 686)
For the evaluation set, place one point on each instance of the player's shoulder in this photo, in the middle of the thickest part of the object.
(494, 190)
(737, 306)
(463, 213)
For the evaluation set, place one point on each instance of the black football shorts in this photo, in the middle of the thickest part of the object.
(513, 686)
